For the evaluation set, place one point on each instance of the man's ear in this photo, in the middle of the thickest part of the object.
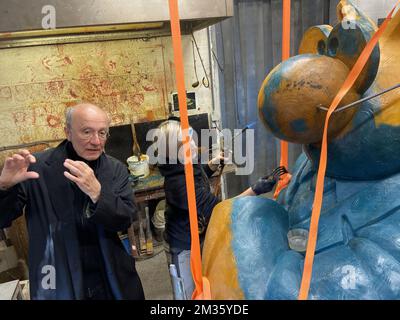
(67, 133)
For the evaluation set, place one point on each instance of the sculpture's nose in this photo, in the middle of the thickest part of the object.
(290, 95)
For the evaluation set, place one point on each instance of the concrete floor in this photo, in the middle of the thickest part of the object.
(154, 274)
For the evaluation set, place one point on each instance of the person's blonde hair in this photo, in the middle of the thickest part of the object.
(171, 138)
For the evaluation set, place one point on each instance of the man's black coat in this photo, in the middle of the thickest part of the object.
(53, 239)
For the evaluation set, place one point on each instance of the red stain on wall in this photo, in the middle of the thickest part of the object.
(117, 119)
(87, 72)
(137, 99)
(104, 88)
(67, 60)
(5, 93)
(46, 63)
(19, 117)
(69, 104)
(149, 87)
(112, 64)
(54, 87)
(150, 115)
(73, 94)
(53, 121)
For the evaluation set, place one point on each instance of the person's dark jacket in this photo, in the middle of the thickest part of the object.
(177, 229)
(51, 222)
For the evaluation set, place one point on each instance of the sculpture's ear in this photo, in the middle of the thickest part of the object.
(315, 40)
(349, 37)
(345, 42)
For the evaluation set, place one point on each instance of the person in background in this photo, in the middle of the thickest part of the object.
(177, 228)
(76, 199)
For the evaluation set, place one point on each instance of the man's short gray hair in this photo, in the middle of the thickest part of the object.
(68, 117)
(70, 110)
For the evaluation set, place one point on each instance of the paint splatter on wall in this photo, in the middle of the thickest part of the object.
(37, 84)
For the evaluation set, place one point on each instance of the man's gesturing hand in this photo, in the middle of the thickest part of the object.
(16, 169)
(84, 177)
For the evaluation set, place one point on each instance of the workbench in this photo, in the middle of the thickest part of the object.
(149, 189)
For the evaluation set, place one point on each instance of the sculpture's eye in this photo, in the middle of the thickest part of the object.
(315, 39)
(347, 41)
(321, 47)
(333, 46)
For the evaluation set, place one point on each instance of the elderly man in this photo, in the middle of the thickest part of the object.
(76, 199)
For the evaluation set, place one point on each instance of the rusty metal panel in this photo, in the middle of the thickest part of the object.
(124, 77)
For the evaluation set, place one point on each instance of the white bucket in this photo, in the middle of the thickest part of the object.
(139, 167)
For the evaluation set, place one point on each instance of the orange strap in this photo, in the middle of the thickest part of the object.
(206, 294)
(319, 190)
(286, 30)
(195, 257)
(285, 179)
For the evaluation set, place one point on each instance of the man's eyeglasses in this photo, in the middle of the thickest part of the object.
(89, 134)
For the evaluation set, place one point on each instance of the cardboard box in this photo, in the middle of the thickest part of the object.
(8, 258)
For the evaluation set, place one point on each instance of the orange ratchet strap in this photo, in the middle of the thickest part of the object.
(202, 286)
(319, 189)
(284, 179)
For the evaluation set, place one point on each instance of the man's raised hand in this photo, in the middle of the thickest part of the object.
(15, 169)
(84, 177)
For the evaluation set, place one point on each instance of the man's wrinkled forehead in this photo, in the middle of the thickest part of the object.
(90, 116)
(90, 122)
